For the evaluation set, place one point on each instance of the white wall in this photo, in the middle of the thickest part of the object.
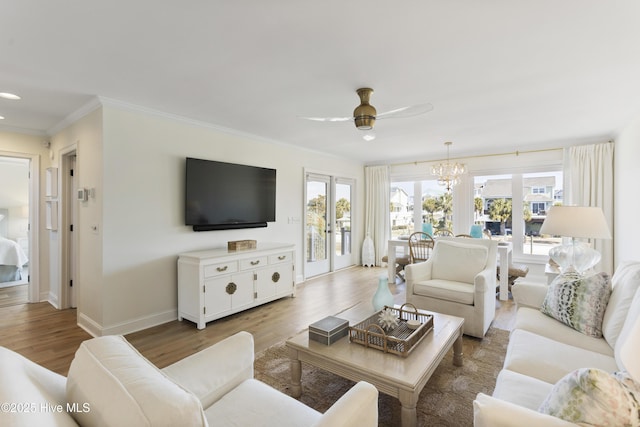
(84, 136)
(626, 232)
(142, 227)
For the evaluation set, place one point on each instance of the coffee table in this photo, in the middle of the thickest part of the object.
(397, 376)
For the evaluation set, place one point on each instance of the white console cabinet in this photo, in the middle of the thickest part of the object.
(218, 282)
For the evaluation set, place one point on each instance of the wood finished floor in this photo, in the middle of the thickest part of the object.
(13, 295)
(50, 337)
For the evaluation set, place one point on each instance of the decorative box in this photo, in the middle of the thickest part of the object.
(239, 245)
(328, 330)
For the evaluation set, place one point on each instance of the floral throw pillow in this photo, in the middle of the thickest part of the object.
(579, 301)
(595, 398)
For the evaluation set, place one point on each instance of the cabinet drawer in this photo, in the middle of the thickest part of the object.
(278, 258)
(220, 269)
(249, 263)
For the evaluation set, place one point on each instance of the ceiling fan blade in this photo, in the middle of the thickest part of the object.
(328, 119)
(409, 111)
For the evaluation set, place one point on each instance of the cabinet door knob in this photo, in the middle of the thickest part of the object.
(275, 276)
(231, 288)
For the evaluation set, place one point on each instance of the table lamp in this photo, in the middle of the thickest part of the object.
(575, 222)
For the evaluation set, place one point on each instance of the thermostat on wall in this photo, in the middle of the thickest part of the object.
(83, 194)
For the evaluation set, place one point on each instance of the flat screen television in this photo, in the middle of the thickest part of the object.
(222, 196)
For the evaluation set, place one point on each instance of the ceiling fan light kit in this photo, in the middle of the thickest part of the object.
(364, 115)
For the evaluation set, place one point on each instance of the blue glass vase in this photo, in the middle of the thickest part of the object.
(383, 295)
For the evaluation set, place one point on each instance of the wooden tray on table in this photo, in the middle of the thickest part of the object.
(401, 339)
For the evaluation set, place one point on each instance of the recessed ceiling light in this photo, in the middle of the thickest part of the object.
(1, 117)
(7, 95)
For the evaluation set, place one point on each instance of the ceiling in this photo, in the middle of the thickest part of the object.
(502, 75)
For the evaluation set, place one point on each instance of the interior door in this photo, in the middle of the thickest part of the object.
(72, 205)
(317, 225)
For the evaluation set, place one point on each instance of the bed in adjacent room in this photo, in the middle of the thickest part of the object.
(12, 260)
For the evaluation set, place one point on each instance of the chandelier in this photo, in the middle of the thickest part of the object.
(448, 173)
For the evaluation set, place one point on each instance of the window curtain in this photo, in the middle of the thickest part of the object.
(377, 208)
(589, 182)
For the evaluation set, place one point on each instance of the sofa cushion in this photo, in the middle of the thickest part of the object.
(532, 320)
(579, 301)
(119, 387)
(31, 387)
(446, 290)
(491, 412)
(521, 389)
(458, 262)
(549, 360)
(595, 397)
(255, 404)
(624, 283)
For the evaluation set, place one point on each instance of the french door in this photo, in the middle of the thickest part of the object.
(328, 223)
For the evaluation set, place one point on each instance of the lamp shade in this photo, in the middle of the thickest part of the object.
(630, 350)
(576, 221)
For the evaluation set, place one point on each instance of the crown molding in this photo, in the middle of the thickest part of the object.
(114, 103)
(22, 131)
(93, 104)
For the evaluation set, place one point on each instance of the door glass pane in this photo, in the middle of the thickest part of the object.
(343, 219)
(540, 191)
(316, 221)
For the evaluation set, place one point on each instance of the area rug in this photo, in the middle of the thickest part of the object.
(446, 400)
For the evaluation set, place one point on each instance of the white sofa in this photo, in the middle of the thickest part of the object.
(542, 350)
(111, 384)
(458, 279)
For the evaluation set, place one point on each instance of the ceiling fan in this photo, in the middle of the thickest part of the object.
(365, 114)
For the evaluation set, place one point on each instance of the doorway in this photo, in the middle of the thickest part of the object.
(328, 223)
(15, 260)
(68, 240)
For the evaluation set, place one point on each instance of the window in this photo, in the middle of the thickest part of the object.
(516, 214)
(418, 202)
(538, 190)
(538, 208)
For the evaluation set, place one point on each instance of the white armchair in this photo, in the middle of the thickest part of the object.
(111, 384)
(459, 279)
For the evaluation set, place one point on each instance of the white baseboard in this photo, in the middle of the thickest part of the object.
(127, 327)
(51, 298)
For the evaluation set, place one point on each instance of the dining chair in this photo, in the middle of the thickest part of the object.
(420, 246)
(443, 232)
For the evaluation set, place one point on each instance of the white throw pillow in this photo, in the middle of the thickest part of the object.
(625, 282)
(111, 384)
(632, 315)
(456, 261)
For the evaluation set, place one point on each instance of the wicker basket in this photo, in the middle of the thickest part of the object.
(401, 339)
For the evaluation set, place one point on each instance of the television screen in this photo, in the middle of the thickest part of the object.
(226, 195)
